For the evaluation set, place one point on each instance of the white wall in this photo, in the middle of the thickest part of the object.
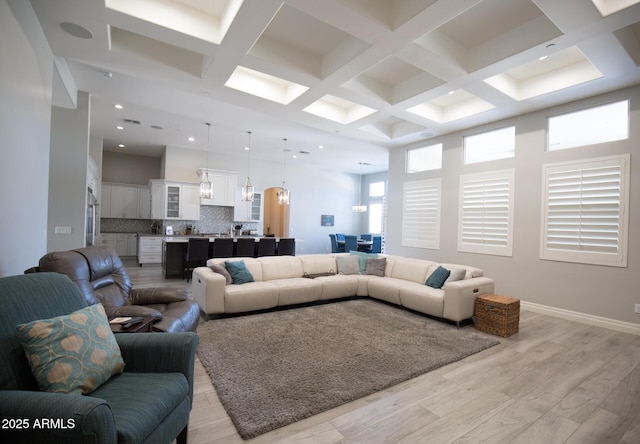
(68, 174)
(608, 292)
(26, 70)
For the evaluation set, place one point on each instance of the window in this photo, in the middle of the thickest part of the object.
(583, 207)
(424, 159)
(486, 213)
(376, 207)
(375, 218)
(492, 145)
(421, 214)
(603, 123)
(376, 189)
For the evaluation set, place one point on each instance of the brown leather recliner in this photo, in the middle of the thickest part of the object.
(101, 277)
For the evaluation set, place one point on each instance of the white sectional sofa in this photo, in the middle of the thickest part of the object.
(285, 280)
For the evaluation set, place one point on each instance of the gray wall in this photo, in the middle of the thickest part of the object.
(608, 292)
(26, 69)
(68, 174)
(126, 168)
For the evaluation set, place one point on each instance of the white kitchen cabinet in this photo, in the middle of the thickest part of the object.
(124, 244)
(174, 200)
(224, 188)
(105, 200)
(149, 250)
(144, 203)
(124, 202)
(248, 211)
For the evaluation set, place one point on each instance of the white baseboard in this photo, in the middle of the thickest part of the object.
(625, 327)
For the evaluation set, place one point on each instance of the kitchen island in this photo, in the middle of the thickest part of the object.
(174, 249)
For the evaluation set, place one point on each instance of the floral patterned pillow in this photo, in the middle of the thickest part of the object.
(74, 353)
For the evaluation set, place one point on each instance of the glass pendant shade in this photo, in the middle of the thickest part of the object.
(247, 191)
(206, 186)
(247, 188)
(284, 195)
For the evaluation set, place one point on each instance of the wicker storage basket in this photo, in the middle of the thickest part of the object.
(498, 315)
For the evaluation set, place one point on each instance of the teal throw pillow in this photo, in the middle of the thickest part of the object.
(239, 272)
(362, 259)
(74, 353)
(438, 277)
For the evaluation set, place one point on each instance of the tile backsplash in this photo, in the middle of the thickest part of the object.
(213, 219)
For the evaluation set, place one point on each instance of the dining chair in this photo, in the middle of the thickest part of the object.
(335, 248)
(376, 247)
(267, 246)
(222, 247)
(350, 242)
(366, 237)
(245, 247)
(196, 255)
(340, 237)
(287, 247)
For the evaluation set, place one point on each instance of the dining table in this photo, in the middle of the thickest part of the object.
(363, 245)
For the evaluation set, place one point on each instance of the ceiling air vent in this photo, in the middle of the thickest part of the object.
(132, 122)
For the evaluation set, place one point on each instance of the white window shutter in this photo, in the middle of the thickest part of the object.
(421, 214)
(584, 211)
(486, 213)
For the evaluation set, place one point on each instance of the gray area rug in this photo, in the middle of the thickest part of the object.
(273, 369)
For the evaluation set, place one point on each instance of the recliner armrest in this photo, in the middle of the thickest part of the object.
(159, 353)
(56, 418)
(156, 295)
(133, 311)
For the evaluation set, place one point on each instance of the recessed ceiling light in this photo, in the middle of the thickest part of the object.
(158, 127)
(121, 145)
(118, 106)
(451, 92)
(120, 127)
(320, 146)
(191, 139)
(76, 30)
(543, 57)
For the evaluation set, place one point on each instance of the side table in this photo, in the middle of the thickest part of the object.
(498, 315)
(141, 327)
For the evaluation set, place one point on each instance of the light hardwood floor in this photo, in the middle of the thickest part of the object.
(555, 381)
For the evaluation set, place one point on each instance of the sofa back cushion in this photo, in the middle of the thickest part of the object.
(253, 265)
(280, 267)
(315, 264)
(409, 269)
(471, 272)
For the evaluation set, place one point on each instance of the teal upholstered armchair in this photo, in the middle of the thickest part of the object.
(149, 402)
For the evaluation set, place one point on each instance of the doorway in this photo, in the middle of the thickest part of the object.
(276, 216)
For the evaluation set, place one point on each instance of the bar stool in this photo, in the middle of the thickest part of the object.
(287, 247)
(197, 255)
(222, 247)
(267, 246)
(245, 247)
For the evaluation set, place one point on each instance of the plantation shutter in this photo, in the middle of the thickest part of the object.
(585, 217)
(486, 213)
(421, 214)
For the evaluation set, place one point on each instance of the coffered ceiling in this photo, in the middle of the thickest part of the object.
(343, 80)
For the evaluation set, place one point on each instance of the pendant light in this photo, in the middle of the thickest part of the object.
(206, 186)
(359, 208)
(284, 195)
(247, 189)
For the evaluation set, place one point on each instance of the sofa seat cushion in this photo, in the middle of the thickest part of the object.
(141, 401)
(297, 290)
(251, 296)
(385, 288)
(422, 298)
(338, 286)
